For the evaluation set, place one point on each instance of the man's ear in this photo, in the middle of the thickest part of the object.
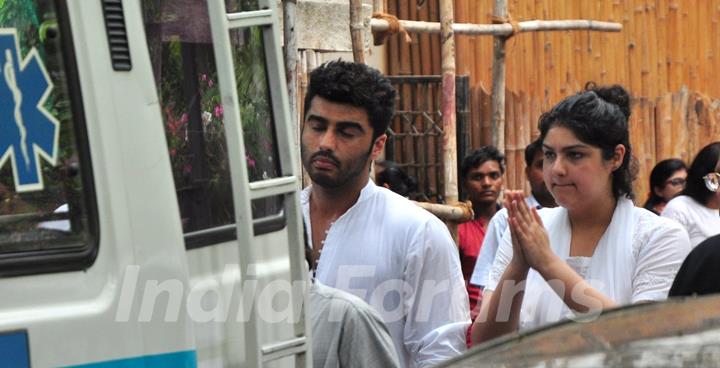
(378, 146)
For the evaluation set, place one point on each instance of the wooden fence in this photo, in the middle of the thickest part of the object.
(668, 56)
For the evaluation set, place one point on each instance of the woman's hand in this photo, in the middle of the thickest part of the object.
(527, 227)
(518, 259)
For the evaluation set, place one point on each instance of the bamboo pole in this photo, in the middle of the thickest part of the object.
(511, 147)
(448, 101)
(457, 212)
(378, 6)
(505, 29)
(498, 81)
(356, 31)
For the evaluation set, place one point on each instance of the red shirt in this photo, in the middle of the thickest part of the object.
(470, 238)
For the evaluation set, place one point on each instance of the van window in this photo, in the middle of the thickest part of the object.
(45, 186)
(182, 56)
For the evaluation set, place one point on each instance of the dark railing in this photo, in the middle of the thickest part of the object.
(416, 133)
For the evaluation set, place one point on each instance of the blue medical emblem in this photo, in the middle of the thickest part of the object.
(27, 130)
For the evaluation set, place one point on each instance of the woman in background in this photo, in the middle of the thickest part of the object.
(698, 207)
(667, 180)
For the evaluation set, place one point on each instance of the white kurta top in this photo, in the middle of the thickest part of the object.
(495, 230)
(635, 260)
(699, 221)
(346, 332)
(402, 261)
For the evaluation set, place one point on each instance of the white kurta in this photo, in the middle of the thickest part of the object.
(699, 221)
(346, 332)
(635, 261)
(495, 230)
(401, 260)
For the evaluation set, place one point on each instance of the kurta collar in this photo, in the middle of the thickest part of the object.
(366, 192)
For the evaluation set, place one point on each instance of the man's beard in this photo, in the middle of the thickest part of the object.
(346, 171)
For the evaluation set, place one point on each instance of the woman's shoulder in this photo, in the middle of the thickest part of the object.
(649, 226)
(648, 221)
(679, 203)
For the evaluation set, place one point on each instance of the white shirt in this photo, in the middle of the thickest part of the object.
(699, 221)
(643, 271)
(493, 235)
(402, 261)
(347, 332)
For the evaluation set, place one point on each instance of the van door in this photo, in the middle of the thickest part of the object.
(92, 263)
(219, 74)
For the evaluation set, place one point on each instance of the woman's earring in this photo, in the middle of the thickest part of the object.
(712, 182)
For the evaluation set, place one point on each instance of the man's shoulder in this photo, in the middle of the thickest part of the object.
(323, 295)
(398, 207)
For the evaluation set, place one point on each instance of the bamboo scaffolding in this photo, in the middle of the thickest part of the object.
(356, 31)
(498, 80)
(448, 101)
(506, 29)
(458, 212)
(511, 146)
(680, 40)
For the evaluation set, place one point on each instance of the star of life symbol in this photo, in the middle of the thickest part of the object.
(27, 131)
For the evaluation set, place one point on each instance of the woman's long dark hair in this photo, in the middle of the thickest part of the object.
(705, 162)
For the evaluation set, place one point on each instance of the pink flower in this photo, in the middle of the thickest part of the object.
(173, 125)
(184, 118)
(218, 111)
(203, 77)
(210, 83)
(250, 161)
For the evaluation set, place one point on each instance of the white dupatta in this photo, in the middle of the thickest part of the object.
(610, 272)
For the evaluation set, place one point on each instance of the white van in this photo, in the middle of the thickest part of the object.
(148, 187)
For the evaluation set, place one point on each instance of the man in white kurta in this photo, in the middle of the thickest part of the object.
(365, 239)
(403, 262)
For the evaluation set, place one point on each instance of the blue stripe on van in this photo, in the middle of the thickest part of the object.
(14, 349)
(186, 359)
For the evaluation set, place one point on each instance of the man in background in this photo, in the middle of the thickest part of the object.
(539, 197)
(481, 174)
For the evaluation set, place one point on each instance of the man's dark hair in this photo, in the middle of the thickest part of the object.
(479, 157)
(355, 84)
(599, 117)
(704, 163)
(531, 150)
(398, 181)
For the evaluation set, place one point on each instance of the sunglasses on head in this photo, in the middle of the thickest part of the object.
(712, 181)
